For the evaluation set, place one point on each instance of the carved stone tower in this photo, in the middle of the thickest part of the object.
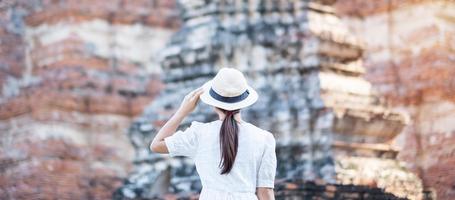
(329, 124)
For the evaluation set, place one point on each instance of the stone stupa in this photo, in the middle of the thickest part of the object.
(329, 124)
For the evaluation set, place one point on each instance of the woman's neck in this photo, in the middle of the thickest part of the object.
(237, 117)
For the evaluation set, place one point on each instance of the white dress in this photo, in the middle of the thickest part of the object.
(254, 165)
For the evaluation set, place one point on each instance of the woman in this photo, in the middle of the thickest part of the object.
(234, 159)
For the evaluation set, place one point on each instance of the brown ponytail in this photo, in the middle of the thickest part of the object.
(228, 140)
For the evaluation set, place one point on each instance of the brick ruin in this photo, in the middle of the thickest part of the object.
(410, 62)
(331, 126)
(74, 74)
(77, 74)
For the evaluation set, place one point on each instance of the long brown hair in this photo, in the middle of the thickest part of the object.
(229, 140)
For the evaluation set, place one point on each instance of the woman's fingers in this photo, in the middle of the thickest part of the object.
(195, 96)
(194, 92)
(197, 92)
(189, 102)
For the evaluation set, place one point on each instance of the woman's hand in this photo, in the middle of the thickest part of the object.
(190, 101)
(186, 107)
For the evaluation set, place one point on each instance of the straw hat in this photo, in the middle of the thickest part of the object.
(228, 90)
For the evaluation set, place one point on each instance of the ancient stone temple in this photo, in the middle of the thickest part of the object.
(409, 59)
(330, 125)
(73, 76)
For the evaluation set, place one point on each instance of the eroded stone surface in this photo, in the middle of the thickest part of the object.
(409, 60)
(73, 75)
(308, 71)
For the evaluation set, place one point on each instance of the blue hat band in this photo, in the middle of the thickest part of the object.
(224, 99)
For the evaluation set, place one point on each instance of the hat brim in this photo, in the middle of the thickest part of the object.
(206, 98)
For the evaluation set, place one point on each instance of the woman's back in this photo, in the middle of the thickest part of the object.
(234, 159)
(254, 165)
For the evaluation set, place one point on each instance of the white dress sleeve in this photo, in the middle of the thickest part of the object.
(267, 168)
(183, 143)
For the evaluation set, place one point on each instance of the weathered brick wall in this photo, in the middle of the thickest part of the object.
(73, 75)
(409, 59)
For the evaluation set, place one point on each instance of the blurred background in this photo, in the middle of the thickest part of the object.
(358, 93)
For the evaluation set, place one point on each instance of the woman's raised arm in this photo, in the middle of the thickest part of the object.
(187, 106)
